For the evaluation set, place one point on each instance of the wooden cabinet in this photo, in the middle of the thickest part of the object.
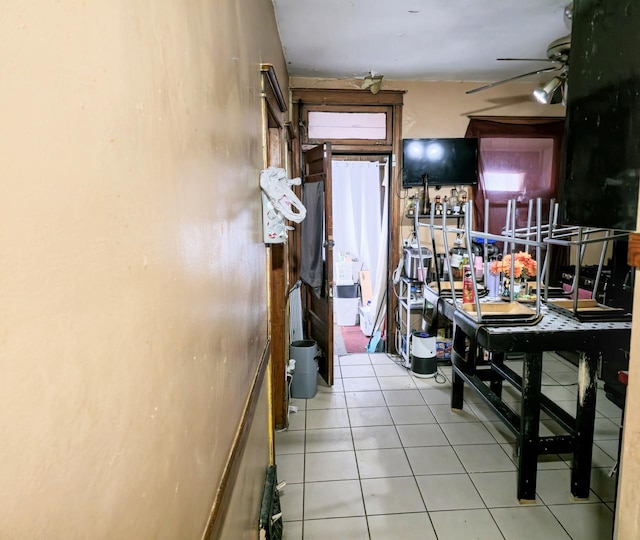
(602, 130)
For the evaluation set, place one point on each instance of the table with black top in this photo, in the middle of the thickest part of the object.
(554, 331)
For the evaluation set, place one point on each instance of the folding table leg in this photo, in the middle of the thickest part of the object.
(585, 416)
(459, 361)
(457, 391)
(529, 427)
(496, 384)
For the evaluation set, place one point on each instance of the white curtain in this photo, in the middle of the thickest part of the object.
(380, 284)
(360, 220)
(357, 211)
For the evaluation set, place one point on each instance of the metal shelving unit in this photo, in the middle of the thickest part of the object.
(403, 326)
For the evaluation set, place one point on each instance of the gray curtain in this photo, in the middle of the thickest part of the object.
(311, 264)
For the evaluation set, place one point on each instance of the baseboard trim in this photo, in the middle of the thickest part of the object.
(230, 473)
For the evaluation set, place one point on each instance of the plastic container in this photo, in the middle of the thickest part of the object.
(345, 311)
(412, 267)
(304, 383)
(347, 291)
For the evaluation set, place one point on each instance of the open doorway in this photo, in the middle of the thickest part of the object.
(368, 129)
(360, 224)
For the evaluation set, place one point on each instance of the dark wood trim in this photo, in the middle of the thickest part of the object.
(395, 221)
(222, 500)
(278, 291)
(352, 149)
(291, 134)
(347, 97)
(531, 120)
(274, 107)
(270, 75)
(385, 142)
(295, 243)
(633, 251)
(357, 98)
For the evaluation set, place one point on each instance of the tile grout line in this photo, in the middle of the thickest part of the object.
(600, 500)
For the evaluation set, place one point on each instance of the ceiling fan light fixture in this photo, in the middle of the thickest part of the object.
(545, 93)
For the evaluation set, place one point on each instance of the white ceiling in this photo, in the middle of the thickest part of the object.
(445, 40)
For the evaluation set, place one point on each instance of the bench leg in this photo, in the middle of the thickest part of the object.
(585, 416)
(529, 427)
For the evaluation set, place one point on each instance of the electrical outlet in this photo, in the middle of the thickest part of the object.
(405, 243)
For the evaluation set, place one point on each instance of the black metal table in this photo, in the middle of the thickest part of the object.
(555, 331)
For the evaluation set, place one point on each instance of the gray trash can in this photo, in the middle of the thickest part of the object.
(304, 384)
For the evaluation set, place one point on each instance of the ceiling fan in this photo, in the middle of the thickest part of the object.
(555, 90)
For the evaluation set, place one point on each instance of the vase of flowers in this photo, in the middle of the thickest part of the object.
(524, 269)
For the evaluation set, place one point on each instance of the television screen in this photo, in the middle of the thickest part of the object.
(443, 161)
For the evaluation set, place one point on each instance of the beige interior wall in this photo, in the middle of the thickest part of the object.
(241, 518)
(133, 311)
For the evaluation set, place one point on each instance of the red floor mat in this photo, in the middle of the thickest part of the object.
(354, 340)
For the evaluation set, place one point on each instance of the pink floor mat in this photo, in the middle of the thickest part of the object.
(354, 340)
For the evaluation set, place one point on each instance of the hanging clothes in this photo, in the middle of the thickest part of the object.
(312, 234)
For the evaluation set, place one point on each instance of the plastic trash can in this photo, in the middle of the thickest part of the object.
(304, 383)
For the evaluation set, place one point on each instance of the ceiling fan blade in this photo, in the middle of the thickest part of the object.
(527, 59)
(503, 81)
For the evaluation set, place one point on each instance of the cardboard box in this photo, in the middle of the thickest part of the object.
(366, 290)
(343, 273)
(366, 320)
(443, 349)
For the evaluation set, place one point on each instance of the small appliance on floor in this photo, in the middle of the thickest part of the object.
(424, 363)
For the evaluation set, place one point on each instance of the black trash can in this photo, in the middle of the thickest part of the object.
(304, 383)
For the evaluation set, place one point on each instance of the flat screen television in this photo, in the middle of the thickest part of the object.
(452, 161)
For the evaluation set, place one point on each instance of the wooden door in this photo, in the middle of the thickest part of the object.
(318, 311)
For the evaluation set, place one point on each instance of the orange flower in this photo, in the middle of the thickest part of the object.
(523, 266)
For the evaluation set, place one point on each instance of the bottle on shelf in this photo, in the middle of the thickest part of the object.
(411, 206)
(468, 295)
(457, 255)
(478, 267)
(439, 206)
(454, 201)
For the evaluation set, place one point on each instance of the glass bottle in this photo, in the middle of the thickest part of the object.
(447, 202)
(411, 206)
(439, 207)
(453, 201)
(463, 200)
(468, 294)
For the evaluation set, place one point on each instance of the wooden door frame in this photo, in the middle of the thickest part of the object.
(319, 309)
(274, 129)
(356, 100)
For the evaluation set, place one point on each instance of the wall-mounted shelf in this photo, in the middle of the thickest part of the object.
(438, 216)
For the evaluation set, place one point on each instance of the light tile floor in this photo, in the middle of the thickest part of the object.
(380, 455)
